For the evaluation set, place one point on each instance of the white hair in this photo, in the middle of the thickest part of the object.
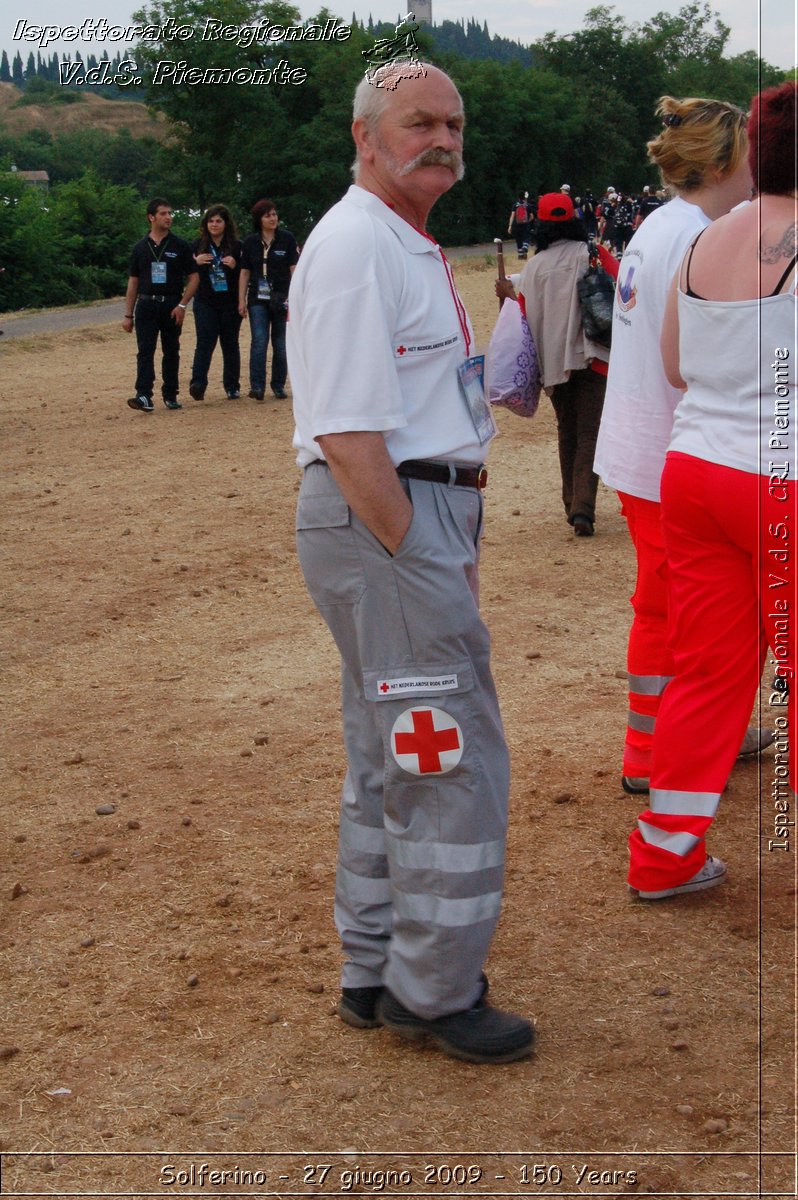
(373, 93)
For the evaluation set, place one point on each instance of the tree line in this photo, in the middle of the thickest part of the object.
(581, 111)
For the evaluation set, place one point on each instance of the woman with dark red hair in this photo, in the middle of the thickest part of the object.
(268, 259)
(729, 513)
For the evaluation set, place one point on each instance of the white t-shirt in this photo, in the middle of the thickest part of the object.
(639, 403)
(376, 333)
(738, 361)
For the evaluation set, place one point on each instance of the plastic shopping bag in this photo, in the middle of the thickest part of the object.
(513, 377)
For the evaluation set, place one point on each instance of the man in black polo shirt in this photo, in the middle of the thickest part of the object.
(160, 264)
(646, 205)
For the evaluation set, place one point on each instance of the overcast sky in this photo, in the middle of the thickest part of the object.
(767, 26)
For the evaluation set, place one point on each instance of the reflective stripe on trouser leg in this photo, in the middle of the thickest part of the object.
(670, 837)
(363, 914)
(649, 661)
(645, 693)
(414, 616)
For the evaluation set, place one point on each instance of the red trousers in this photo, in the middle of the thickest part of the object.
(649, 660)
(732, 542)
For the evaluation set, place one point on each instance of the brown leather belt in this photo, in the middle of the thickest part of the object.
(432, 472)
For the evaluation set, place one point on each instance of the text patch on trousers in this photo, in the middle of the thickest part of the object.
(389, 689)
(426, 741)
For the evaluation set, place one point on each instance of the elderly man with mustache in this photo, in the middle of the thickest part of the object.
(391, 430)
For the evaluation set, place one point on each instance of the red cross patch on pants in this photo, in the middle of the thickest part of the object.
(426, 741)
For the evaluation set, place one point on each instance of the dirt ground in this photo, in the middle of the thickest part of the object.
(169, 970)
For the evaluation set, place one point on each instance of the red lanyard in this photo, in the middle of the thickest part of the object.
(462, 316)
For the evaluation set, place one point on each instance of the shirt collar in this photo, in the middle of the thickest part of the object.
(411, 238)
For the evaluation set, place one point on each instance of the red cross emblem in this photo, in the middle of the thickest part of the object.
(426, 741)
(401, 349)
(385, 687)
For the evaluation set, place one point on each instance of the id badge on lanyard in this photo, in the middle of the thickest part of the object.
(471, 371)
(158, 273)
(472, 381)
(264, 287)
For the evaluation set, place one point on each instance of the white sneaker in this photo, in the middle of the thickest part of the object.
(711, 874)
(755, 741)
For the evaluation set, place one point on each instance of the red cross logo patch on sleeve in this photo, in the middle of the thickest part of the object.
(426, 741)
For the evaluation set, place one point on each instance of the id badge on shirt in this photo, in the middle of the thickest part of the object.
(264, 289)
(158, 273)
(218, 279)
(472, 380)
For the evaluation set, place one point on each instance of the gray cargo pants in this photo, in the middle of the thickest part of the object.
(424, 803)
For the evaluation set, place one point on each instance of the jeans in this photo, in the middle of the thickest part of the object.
(261, 322)
(154, 317)
(222, 325)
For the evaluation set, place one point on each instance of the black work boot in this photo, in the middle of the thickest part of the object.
(481, 1034)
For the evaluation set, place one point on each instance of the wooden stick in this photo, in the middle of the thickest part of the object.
(500, 263)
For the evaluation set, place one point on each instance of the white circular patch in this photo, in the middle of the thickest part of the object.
(426, 741)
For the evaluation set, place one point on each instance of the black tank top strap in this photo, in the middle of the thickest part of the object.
(688, 290)
(785, 277)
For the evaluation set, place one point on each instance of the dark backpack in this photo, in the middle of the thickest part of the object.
(596, 292)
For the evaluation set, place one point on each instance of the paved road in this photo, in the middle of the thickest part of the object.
(109, 312)
(56, 320)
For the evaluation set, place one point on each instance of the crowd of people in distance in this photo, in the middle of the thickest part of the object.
(611, 220)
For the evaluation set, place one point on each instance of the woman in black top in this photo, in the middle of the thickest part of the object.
(268, 258)
(217, 253)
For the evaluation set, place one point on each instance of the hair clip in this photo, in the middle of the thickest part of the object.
(672, 120)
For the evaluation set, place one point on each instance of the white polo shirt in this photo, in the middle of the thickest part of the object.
(639, 403)
(376, 333)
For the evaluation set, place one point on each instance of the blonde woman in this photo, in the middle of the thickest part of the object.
(701, 152)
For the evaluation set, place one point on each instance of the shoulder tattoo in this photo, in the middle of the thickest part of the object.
(785, 247)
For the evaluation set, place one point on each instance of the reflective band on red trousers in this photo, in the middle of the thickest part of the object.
(649, 661)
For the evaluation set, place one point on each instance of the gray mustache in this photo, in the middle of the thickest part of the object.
(436, 158)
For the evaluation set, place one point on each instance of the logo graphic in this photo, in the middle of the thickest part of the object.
(402, 48)
(627, 293)
(426, 741)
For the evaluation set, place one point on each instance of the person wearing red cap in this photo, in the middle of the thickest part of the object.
(573, 369)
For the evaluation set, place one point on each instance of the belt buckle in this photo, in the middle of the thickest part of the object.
(482, 478)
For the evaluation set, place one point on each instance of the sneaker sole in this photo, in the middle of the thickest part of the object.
(700, 885)
(743, 756)
(412, 1033)
(137, 407)
(350, 1017)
